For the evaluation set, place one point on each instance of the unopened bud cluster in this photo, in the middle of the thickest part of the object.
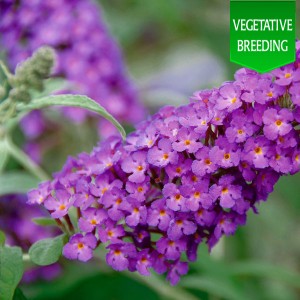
(29, 75)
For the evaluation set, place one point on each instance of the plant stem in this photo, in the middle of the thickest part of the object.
(26, 161)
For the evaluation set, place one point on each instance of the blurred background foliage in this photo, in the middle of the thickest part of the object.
(173, 48)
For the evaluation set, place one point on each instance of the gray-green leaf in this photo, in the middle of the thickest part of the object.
(46, 252)
(4, 154)
(11, 271)
(74, 101)
(44, 221)
(16, 182)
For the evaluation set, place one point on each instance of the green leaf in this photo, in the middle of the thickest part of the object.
(74, 101)
(11, 271)
(220, 287)
(265, 270)
(16, 182)
(19, 295)
(44, 221)
(2, 238)
(4, 154)
(46, 252)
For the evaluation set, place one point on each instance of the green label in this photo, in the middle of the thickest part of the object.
(262, 33)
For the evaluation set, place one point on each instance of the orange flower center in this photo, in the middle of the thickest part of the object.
(166, 156)
(162, 212)
(258, 150)
(207, 161)
(227, 155)
(278, 123)
(80, 246)
(244, 165)
(225, 190)
(287, 75)
(178, 170)
(140, 168)
(177, 197)
(117, 252)
(62, 207)
(197, 194)
(187, 142)
(144, 260)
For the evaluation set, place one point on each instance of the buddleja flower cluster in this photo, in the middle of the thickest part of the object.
(87, 54)
(186, 176)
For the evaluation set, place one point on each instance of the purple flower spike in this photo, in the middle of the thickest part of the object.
(80, 247)
(186, 176)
